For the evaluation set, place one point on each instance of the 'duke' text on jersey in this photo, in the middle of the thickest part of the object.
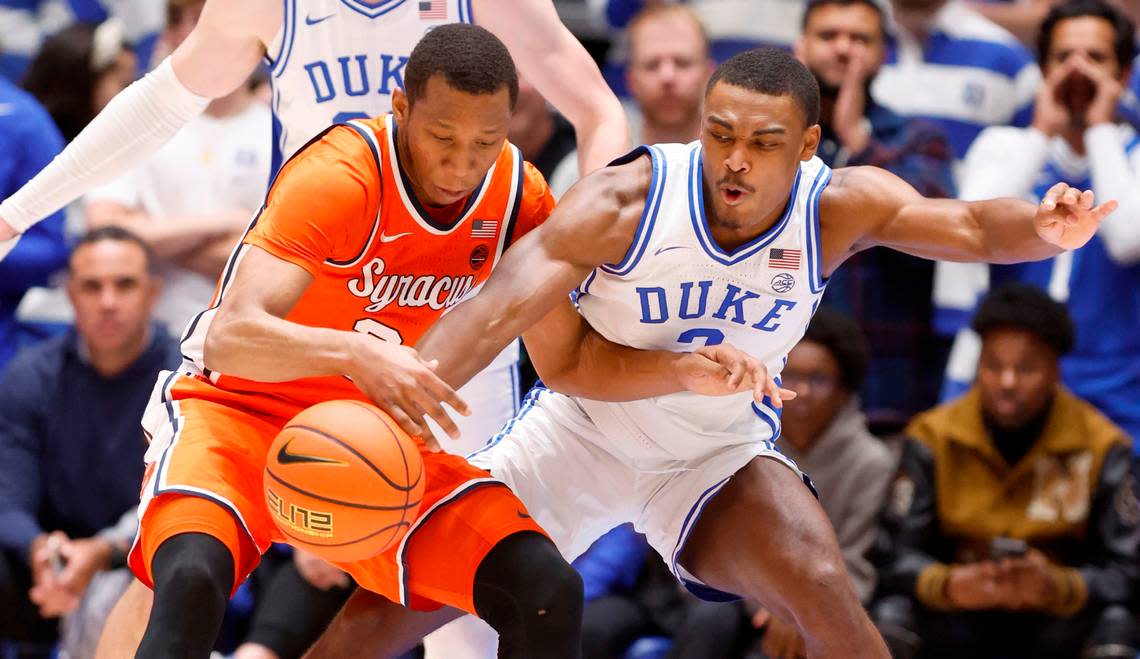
(356, 75)
(695, 300)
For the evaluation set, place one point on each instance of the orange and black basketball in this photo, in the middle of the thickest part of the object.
(343, 481)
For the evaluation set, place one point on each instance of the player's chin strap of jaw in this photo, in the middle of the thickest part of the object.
(132, 126)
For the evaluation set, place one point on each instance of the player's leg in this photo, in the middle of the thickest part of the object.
(765, 537)
(532, 597)
(193, 576)
(126, 623)
(374, 626)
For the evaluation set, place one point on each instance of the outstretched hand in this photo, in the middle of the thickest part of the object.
(723, 369)
(1067, 218)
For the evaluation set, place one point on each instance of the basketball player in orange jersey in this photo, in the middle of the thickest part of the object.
(367, 236)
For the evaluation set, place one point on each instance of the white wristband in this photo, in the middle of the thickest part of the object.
(132, 126)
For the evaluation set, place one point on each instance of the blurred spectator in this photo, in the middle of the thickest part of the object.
(843, 44)
(1076, 138)
(735, 25)
(78, 71)
(28, 142)
(69, 415)
(949, 64)
(25, 24)
(669, 67)
(545, 138)
(1023, 17)
(1012, 527)
(191, 200)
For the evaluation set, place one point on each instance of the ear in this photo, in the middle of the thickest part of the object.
(811, 142)
(400, 106)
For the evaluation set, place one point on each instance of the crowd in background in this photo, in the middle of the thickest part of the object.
(972, 431)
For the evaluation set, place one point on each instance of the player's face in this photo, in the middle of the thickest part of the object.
(1017, 377)
(451, 138)
(668, 69)
(112, 294)
(814, 375)
(752, 147)
(836, 35)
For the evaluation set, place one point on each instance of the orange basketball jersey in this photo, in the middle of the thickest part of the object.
(343, 210)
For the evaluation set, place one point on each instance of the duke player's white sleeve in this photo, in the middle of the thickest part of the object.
(132, 126)
(1115, 176)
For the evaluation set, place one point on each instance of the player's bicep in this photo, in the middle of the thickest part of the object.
(223, 49)
(890, 213)
(262, 283)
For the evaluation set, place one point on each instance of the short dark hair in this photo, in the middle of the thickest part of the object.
(470, 59)
(844, 339)
(813, 5)
(1124, 43)
(1019, 306)
(774, 73)
(119, 234)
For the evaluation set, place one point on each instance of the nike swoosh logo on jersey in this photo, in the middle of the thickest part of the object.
(668, 249)
(285, 457)
(309, 20)
(384, 238)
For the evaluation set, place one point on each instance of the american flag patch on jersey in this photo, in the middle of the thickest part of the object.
(786, 259)
(433, 9)
(484, 228)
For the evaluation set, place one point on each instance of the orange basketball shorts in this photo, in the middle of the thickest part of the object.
(204, 475)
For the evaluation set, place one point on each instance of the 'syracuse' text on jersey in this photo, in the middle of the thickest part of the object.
(336, 60)
(676, 289)
(343, 210)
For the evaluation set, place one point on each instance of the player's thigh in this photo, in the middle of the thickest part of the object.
(764, 535)
(204, 475)
(553, 458)
(464, 513)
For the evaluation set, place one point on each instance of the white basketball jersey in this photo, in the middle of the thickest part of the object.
(676, 289)
(335, 60)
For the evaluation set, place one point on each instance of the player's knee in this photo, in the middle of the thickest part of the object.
(524, 587)
(193, 567)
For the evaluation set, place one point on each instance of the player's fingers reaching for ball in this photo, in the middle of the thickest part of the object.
(1049, 201)
(1104, 210)
(404, 420)
(429, 406)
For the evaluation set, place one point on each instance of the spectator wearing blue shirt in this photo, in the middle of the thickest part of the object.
(1076, 137)
(70, 446)
(28, 141)
(843, 44)
(949, 64)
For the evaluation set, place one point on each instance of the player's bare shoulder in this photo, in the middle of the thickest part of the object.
(256, 18)
(856, 202)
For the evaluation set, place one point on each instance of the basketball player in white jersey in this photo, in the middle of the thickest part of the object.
(730, 239)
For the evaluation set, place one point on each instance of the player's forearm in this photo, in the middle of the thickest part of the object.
(608, 371)
(602, 137)
(1007, 233)
(261, 347)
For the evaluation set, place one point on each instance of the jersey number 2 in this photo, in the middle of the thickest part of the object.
(711, 336)
(378, 330)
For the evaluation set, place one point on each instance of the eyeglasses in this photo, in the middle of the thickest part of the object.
(820, 383)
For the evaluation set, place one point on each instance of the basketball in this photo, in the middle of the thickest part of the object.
(343, 481)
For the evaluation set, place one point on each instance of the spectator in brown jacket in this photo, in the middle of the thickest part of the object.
(1012, 526)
